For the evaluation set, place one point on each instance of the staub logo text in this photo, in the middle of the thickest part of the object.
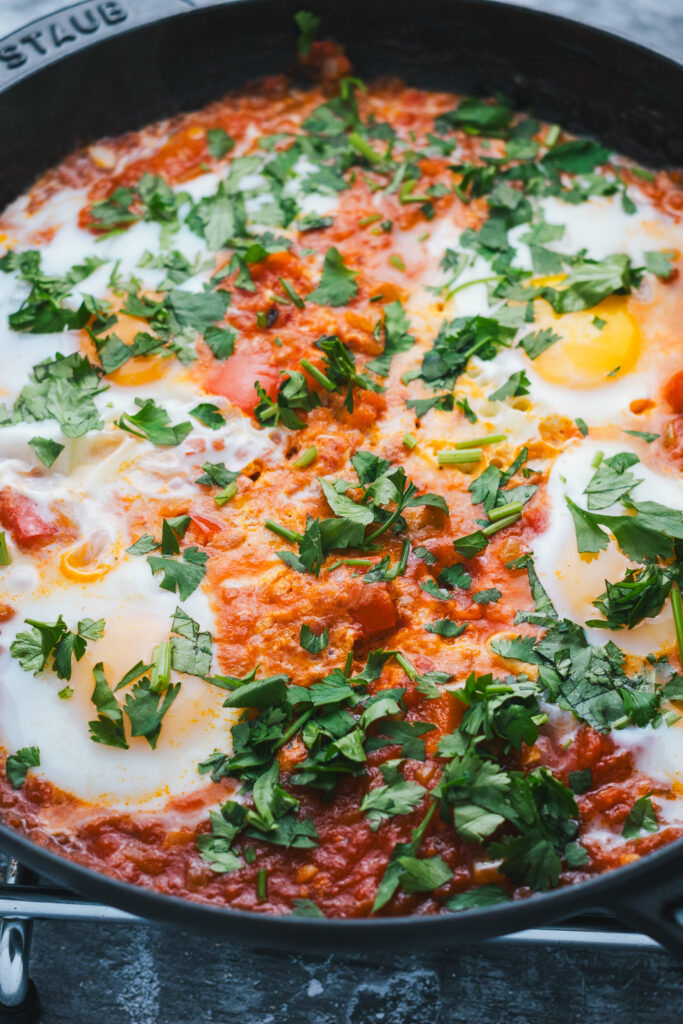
(50, 35)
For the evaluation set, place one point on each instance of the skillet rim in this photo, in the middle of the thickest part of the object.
(602, 891)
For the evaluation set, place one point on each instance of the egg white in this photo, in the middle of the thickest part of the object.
(573, 581)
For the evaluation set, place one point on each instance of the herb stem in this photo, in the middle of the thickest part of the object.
(488, 531)
(293, 295)
(363, 563)
(677, 607)
(309, 456)
(477, 442)
(451, 458)
(409, 669)
(5, 558)
(552, 135)
(363, 147)
(160, 676)
(281, 531)
(468, 284)
(226, 495)
(293, 729)
(262, 885)
(318, 375)
(409, 441)
(512, 509)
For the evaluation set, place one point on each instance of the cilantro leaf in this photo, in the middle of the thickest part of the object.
(312, 642)
(489, 596)
(17, 765)
(660, 263)
(639, 595)
(208, 414)
(517, 384)
(145, 712)
(474, 899)
(154, 423)
(537, 343)
(579, 156)
(46, 450)
(397, 338)
(590, 281)
(221, 341)
(589, 535)
(385, 802)
(611, 481)
(108, 729)
(308, 25)
(181, 574)
(446, 627)
(641, 818)
(423, 874)
(471, 544)
(63, 389)
(216, 474)
(192, 649)
(644, 435)
(219, 143)
(54, 640)
(337, 285)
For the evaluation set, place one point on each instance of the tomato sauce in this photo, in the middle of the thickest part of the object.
(259, 623)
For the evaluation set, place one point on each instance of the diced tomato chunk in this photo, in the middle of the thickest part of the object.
(205, 524)
(673, 391)
(236, 377)
(20, 516)
(374, 611)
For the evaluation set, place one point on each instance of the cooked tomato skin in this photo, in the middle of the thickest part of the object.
(673, 391)
(21, 517)
(375, 611)
(235, 379)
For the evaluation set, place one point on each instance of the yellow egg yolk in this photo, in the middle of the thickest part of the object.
(595, 345)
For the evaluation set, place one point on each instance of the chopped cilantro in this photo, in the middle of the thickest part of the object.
(337, 285)
(17, 765)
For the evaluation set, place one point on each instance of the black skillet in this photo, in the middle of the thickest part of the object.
(99, 68)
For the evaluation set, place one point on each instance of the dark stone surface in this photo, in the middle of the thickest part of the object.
(120, 974)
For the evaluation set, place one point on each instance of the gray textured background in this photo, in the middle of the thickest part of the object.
(115, 974)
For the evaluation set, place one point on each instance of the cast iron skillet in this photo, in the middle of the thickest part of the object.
(97, 68)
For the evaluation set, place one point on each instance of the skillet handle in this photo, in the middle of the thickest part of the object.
(47, 39)
(655, 909)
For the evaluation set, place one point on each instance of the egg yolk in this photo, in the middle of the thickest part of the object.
(140, 369)
(596, 345)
